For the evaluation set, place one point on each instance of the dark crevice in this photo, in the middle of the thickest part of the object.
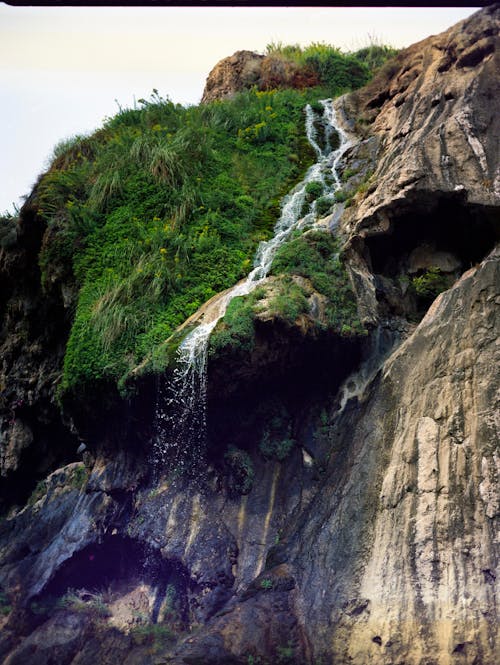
(437, 232)
(113, 567)
(53, 447)
(469, 232)
(294, 372)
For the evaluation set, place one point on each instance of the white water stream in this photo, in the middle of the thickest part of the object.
(181, 408)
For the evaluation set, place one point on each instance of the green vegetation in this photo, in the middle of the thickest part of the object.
(314, 255)
(338, 72)
(164, 206)
(5, 606)
(75, 479)
(237, 328)
(155, 635)
(78, 477)
(86, 602)
(323, 206)
(431, 283)
(375, 55)
(266, 584)
(158, 211)
(285, 654)
(38, 493)
(241, 471)
(277, 441)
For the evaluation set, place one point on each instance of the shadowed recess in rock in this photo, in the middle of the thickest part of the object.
(119, 567)
(442, 222)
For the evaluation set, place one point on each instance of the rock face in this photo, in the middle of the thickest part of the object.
(437, 180)
(33, 335)
(239, 71)
(343, 516)
(245, 69)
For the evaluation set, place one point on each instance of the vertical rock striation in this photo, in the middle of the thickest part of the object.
(372, 537)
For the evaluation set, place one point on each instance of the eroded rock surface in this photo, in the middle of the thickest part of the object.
(348, 515)
(245, 69)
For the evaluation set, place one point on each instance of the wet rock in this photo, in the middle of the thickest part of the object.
(373, 537)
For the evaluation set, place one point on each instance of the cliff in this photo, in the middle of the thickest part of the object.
(342, 504)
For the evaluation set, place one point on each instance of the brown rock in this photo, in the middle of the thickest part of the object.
(239, 71)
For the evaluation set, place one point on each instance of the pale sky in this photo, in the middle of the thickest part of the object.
(64, 69)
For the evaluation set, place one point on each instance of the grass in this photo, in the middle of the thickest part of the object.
(338, 71)
(85, 602)
(164, 206)
(156, 636)
(5, 606)
(314, 256)
(157, 212)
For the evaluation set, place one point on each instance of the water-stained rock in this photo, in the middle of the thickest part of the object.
(367, 530)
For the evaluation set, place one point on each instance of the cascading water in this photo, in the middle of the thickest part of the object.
(181, 407)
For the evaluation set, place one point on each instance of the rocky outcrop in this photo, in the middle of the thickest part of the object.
(395, 558)
(245, 69)
(239, 71)
(347, 513)
(35, 325)
(437, 179)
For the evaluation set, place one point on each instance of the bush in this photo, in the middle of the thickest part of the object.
(155, 635)
(241, 471)
(431, 283)
(157, 212)
(290, 301)
(337, 71)
(314, 255)
(277, 441)
(323, 206)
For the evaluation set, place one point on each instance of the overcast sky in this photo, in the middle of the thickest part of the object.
(64, 70)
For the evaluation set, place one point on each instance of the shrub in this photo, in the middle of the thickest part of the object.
(431, 283)
(155, 635)
(314, 189)
(290, 301)
(314, 255)
(5, 606)
(241, 471)
(158, 211)
(323, 206)
(276, 442)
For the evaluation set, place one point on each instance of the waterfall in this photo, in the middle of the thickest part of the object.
(180, 418)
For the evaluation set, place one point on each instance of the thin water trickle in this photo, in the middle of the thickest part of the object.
(180, 418)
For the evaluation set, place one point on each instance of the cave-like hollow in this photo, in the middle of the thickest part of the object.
(295, 371)
(445, 222)
(112, 570)
(433, 224)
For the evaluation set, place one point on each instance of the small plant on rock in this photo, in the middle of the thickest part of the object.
(241, 471)
(266, 584)
(5, 606)
(431, 283)
(154, 635)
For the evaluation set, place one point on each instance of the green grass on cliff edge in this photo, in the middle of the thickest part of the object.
(159, 210)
